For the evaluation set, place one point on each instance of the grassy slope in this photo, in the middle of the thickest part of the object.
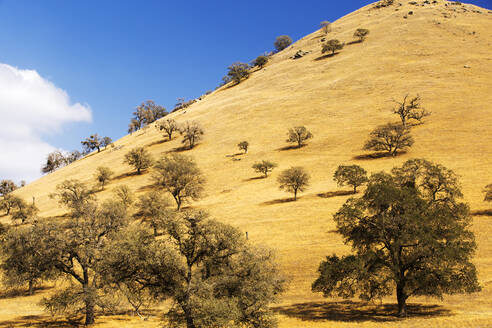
(340, 99)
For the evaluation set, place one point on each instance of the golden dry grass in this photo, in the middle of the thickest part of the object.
(340, 99)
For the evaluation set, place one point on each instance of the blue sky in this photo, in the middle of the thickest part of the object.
(112, 55)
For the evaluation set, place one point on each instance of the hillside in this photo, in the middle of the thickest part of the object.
(441, 51)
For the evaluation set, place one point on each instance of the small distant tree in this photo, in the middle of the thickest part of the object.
(54, 161)
(243, 145)
(389, 137)
(326, 26)
(72, 157)
(361, 34)
(409, 234)
(106, 141)
(264, 167)
(282, 42)
(294, 180)
(21, 263)
(180, 176)
(24, 212)
(7, 186)
(237, 72)
(352, 175)
(332, 46)
(260, 61)
(139, 158)
(169, 126)
(298, 134)
(22, 183)
(191, 132)
(152, 208)
(124, 195)
(92, 143)
(148, 112)
(103, 175)
(488, 193)
(73, 194)
(410, 108)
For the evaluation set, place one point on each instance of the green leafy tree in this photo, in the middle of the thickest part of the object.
(21, 262)
(103, 175)
(6, 187)
(361, 34)
(153, 208)
(260, 61)
(145, 114)
(214, 277)
(73, 194)
(54, 161)
(294, 180)
(332, 46)
(237, 72)
(243, 145)
(139, 158)
(8, 202)
(92, 143)
(191, 132)
(180, 176)
(352, 175)
(106, 141)
(264, 167)
(298, 134)
(389, 137)
(409, 233)
(282, 42)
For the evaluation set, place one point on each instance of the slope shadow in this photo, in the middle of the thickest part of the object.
(331, 194)
(279, 201)
(326, 56)
(377, 155)
(291, 147)
(349, 311)
(487, 212)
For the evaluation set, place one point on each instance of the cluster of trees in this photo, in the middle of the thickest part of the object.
(13, 205)
(145, 114)
(333, 45)
(209, 270)
(409, 232)
(393, 137)
(192, 132)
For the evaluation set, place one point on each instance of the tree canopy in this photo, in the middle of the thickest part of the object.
(294, 180)
(352, 175)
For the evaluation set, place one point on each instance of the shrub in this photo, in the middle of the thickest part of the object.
(139, 158)
(243, 145)
(282, 42)
(298, 134)
(294, 180)
(264, 167)
(260, 61)
(361, 34)
(333, 46)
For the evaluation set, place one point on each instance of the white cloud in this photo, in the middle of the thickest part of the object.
(31, 107)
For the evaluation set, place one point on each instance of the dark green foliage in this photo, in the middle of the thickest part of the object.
(361, 34)
(191, 132)
(148, 112)
(389, 137)
(260, 61)
(298, 134)
(352, 175)
(410, 109)
(243, 145)
(264, 167)
(294, 180)
(409, 232)
(21, 264)
(213, 276)
(282, 42)
(237, 72)
(180, 176)
(332, 46)
(139, 158)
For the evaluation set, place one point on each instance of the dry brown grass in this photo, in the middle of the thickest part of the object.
(340, 99)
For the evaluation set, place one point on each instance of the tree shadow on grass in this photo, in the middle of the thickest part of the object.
(180, 149)
(21, 292)
(38, 321)
(331, 194)
(158, 142)
(125, 175)
(326, 56)
(487, 212)
(353, 42)
(290, 147)
(255, 178)
(377, 155)
(279, 201)
(147, 187)
(349, 311)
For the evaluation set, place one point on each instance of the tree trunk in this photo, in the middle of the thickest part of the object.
(355, 189)
(295, 194)
(31, 287)
(89, 312)
(402, 301)
(138, 171)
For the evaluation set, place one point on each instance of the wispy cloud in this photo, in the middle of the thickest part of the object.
(31, 107)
